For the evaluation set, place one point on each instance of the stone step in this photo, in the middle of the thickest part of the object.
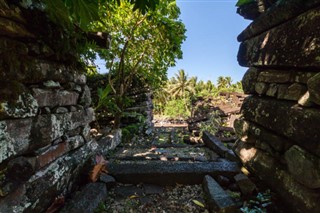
(170, 153)
(168, 172)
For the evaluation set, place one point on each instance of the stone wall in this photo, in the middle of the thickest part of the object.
(45, 113)
(280, 124)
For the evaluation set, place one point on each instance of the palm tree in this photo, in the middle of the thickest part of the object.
(228, 81)
(182, 85)
(221, 82)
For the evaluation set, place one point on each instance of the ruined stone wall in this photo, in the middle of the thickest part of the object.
(44, 115)
(280, 125)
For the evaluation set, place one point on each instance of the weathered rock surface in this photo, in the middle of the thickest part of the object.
(298, 197)
(246, 186)
(249, 80)
(217, 199)
(55, 98)
(56, 178)
(303, 166)
(280, 13)
(216, 145)
(314, 88)
(286, 48)
(87, 200)
(285, 118)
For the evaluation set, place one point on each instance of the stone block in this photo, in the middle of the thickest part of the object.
(108, 180)
(86, 200)
(217, 199)
(314, 88)
(53, 98)
(286, 119)
(246, 186)
(295, 197)
(305, 100)
(9, 28)
(47, 128)
(26, 106)
(14, 137)
(274, 76)
(58, 177)
(304, 167)
(272, 90)
(85, 97)
(286, 47)
(261, 88)
(249, 80)
(295, 92)
(44, 157)
(264, 136)
(303, 77)
(214, 143)
(280, 13)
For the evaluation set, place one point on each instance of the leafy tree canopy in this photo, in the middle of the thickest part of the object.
(143, 45)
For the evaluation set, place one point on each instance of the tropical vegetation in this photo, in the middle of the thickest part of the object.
(175, 98)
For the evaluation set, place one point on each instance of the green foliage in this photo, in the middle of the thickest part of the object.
(259, 204)
(176, 108)
(130, 131)
(213, 123)
(244, 2)
(106, 100)
(143, 47)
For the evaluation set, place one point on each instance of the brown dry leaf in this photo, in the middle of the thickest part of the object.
(96, 171)
(56, 205)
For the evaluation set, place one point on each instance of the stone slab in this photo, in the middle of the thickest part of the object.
(217, 199)
(168, 153)
(217, 146)
(86, 200)
(169, 173)
(287, 47)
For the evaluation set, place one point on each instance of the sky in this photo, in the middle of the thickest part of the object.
(211, 47)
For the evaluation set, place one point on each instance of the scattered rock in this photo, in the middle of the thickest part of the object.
(152, 189)
(87, 200)
(217, 199)
(246, 186)
(108, 180)
(222, 180)
(123, 192)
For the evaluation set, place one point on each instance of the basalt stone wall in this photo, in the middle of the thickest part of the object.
(44, 114)
(280, 124)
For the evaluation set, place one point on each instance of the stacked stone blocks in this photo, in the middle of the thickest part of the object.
(280, 126)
